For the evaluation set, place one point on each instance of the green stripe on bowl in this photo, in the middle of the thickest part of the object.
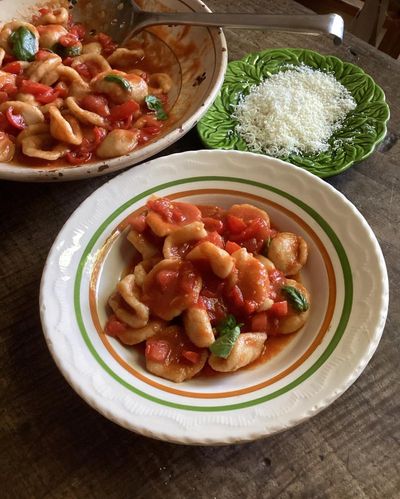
(348, 294)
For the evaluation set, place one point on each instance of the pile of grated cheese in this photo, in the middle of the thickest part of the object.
(293, 112)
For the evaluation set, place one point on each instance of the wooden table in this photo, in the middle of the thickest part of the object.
(54, 445)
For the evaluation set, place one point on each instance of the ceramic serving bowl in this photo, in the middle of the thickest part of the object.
(345, 275)
(198, 60)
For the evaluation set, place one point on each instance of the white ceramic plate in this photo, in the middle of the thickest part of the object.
(199, 56)
(345, 274)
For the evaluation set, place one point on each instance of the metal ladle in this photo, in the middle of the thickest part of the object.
(129, 19)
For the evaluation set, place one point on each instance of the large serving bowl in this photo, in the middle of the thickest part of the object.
(198, 61)
(345, 275)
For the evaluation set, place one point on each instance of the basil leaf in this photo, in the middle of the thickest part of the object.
(122, 82)
(63, 52)
(24, 44)
(296, 298)
(226, 324)
(229, 332)
(154, 104)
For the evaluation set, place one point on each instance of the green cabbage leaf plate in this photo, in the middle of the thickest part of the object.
(362, 129)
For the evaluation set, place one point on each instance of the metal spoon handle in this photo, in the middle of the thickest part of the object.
(330, 24)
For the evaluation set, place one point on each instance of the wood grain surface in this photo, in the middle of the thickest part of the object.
(54, 445)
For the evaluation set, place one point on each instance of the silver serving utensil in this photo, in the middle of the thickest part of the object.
(129, 19)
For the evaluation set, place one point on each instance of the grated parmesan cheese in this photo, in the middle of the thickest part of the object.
(295, 111)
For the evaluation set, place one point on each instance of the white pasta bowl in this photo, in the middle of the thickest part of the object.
(199, 56)
(345, 274)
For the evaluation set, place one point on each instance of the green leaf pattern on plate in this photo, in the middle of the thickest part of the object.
(362, 129)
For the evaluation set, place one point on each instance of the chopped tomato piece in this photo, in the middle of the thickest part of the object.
(13, 67)
(61, 90)
(147, 132)
(43, 93)
(88, 146)
(192, 357)
(213, 237)
(42, 54)
(124, 111)
(15, 120)
(68, 61)
(107, 43)
(10, 89)
(44, 11)
(78, 157)
(97, 104)
(99, 134)
(259, 322)
(157, 350)
(47, 97)
(231, 247)
(212, 224)
(174, 212)
(256, 228)
(83, 70)
(115, 326)
(235, 224)
(78, 30)
(68, 40)
(33, 87)
(279, 308)
(253, 245)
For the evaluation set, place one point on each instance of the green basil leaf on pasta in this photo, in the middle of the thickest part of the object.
(119, 80)
(154, 104)
(296, 298)
(229, 331)
(24, 44)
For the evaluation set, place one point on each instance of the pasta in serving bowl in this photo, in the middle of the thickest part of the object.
(208, 287)
(73, 103)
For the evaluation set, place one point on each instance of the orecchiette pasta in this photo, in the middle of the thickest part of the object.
(190, 232)
(105, 105)
(36, 146)
(248, 347)
(83, 115)
(198, 327)
(31, 114)
(145, 247)
(118, 143)
(45, 70)
(220, 261)
(288, 252)
(124, 58)
(56, 16)
(64, 127)
(108, 83)
(207, 285)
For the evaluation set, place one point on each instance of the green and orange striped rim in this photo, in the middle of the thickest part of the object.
(344, 317)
